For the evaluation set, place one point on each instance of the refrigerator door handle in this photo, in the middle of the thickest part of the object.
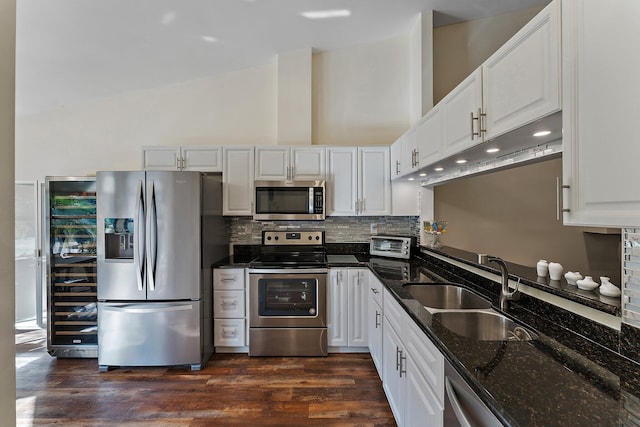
(148, 308)
(151, 236)
(138, 247)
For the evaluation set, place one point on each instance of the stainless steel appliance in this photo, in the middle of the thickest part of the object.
(392, 246)
(289, 200)
(70, 232)
(287, 295)
(158, 234)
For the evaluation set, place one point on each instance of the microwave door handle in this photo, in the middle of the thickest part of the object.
(311, 200)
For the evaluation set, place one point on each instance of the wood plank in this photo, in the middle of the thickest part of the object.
(231, 390)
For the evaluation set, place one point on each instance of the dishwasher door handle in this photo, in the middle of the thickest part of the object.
(455, 403)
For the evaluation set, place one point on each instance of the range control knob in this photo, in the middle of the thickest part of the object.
(268, 237)
(310, 237)
(277, 238)
(317, 237)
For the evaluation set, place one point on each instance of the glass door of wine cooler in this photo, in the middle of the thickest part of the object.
(72, 313)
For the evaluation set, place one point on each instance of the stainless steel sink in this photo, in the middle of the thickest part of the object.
(486, 325)
(445, 297)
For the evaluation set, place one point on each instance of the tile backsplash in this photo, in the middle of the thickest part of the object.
(246, 231)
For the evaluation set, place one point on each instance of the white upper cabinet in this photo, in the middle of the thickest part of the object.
(290, 163)
(396, 158)
(600, 113)
(461, 109)
(374, 185)
(429, 136)
(521, 81)
(358, 181)
(195, 158)
(237, 180)
(410, 156)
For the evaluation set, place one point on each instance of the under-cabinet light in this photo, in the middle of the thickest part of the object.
(439, 169)
(492, 150)
(209, 39)
(542, 133)
(323, 14)
(411, 179)
(461, 161)
(423, 174)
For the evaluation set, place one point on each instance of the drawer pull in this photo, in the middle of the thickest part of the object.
(229, 332)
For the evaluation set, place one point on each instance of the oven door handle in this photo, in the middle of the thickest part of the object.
(288, 270)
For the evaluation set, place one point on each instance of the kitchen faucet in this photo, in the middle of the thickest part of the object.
(505, 294)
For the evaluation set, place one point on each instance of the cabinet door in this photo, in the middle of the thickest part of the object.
(410, 156)
(429, 136)
(521, 81)
(374, 319)
(396, 159)
(161, 158)
(342, 181)
(357, 308)
(458, 107)
(392, 381)
(337, 300)
(237, 178)
(272, 163)
(375, 183)
(405, 200)
(203, 159)
(600, 113)
(308, 163)
(422, 407)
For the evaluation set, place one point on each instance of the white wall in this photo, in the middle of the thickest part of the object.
(360, 97)
(294, 97)
(237, 108)
(7, 283)
(361, 94)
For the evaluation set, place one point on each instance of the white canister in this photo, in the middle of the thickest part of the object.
(555, 270)
(542, 268)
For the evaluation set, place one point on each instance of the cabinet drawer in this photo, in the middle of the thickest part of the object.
(229, 332)
(228, 279)
(393, 313)
(375, 289)
(428, 360)
(228, 304)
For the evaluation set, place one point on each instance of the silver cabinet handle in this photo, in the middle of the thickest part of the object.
(229, 332)
(403, 367)
(229, 302)
(473, 133)
(178, 163)
(398, 353)
(397, 167)
(377, 317)
(482, 115)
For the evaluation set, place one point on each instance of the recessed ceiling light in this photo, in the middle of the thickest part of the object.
(209, 39)
(542, 133)
(423, 174)
(461, 161)
(492, 150)
(411, 179)
(439, 169)
(323, 14)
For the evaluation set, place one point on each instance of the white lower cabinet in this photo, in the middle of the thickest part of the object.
(374, 318)
(412, 369)
(347, 307)
(229, 309)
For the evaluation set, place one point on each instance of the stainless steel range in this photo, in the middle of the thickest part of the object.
(287, 295)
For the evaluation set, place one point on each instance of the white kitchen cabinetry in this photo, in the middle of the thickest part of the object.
(410, 159)
(460, 109)
(229, 309)
(347, 307)
(521, 80)
(429, 136)
(189, 158)
(600, 113)
(396, 159)
(413, 369)
(237, 180)
(374, 318)
(359, 181)
(290, 163)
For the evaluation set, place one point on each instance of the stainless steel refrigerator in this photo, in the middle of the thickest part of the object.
(158, 234)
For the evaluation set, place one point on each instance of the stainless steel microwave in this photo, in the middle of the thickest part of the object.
(289, 200)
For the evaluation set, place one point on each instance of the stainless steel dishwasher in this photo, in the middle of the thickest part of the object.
(462, 406)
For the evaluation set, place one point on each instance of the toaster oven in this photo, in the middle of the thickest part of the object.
(392, 246)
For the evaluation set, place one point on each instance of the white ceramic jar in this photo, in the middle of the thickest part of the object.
(542, 268)
(587, 284)
(555, 271)
(608, 289)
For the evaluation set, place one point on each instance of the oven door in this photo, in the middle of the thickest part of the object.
(288, 298)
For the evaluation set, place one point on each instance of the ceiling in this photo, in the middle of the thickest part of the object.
(73, 51)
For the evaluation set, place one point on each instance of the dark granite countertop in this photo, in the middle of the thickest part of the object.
(561, 379)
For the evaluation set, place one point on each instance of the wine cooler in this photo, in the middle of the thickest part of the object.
(70, 230)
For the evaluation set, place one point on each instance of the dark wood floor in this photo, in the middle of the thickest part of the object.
(233, 390)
